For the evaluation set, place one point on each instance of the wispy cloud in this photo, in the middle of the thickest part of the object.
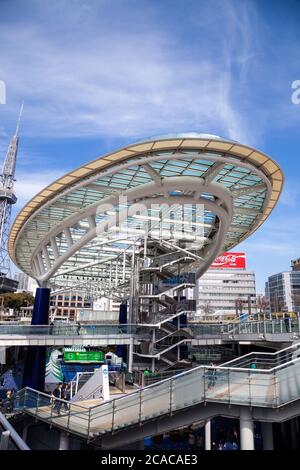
(98, 79)
(119, 71)
(290, 196)
(30, 183)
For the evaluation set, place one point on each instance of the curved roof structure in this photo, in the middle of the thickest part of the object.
(66, 234)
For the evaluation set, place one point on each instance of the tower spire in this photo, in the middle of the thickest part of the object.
(7, 199)
(19, 119)
(9, 167)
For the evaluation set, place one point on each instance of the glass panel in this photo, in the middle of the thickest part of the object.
(188, 389)
(216, 384)
(101, 418)
(262, 390)
(127, 410)
(288, 383)
(156, 400)
(76, 418)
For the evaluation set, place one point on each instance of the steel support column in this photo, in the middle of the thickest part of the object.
(246, 429)
(207, 432)
(35, 365)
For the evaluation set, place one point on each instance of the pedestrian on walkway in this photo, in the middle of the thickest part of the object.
(287, 322)
(9, 402)
(56, 396)
(78, 328)
(234, 435)
(65, 395)
(211, 376)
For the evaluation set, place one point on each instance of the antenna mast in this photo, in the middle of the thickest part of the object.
(7, 199)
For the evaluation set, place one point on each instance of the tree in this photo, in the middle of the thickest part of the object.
(262, 303)
(238, 306)
(17, 300)
(206, 307)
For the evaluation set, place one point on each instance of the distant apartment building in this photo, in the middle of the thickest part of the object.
(283, 290)
(25, 283)
(65, 305)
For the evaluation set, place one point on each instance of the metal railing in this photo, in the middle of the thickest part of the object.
(288, 326)
(261, 387)
(78, 381)
(266, 360)
(224, 330)
(9, 438)
(71, 330)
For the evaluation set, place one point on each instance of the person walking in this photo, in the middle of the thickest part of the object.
(211, 376)
(234, 436)
(57, 396)
(9, 404)
(65, 395)
(78, 328)
(287, 323)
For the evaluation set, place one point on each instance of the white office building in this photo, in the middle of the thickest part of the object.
(225, 292)
(226, 289)
(283, 290)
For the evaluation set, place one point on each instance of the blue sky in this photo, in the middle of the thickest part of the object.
(97, 74)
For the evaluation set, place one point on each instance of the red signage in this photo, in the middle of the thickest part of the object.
(230, 260)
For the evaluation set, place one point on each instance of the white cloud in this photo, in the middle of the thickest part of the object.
(106, 77)
(30, 183)
(290, 195)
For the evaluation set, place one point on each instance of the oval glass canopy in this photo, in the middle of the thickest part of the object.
(70, 234)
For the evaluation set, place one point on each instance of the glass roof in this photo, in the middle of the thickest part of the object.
(185, 135)
(237, 174)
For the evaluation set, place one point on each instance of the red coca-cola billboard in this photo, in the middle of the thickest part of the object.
(230, 260)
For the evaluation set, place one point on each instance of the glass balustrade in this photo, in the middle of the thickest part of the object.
(71, 330)
(269, 327)
(273, 383)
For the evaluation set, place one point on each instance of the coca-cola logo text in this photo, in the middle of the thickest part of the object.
(230, 260)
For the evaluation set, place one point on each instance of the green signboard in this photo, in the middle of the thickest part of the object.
(83, 356)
